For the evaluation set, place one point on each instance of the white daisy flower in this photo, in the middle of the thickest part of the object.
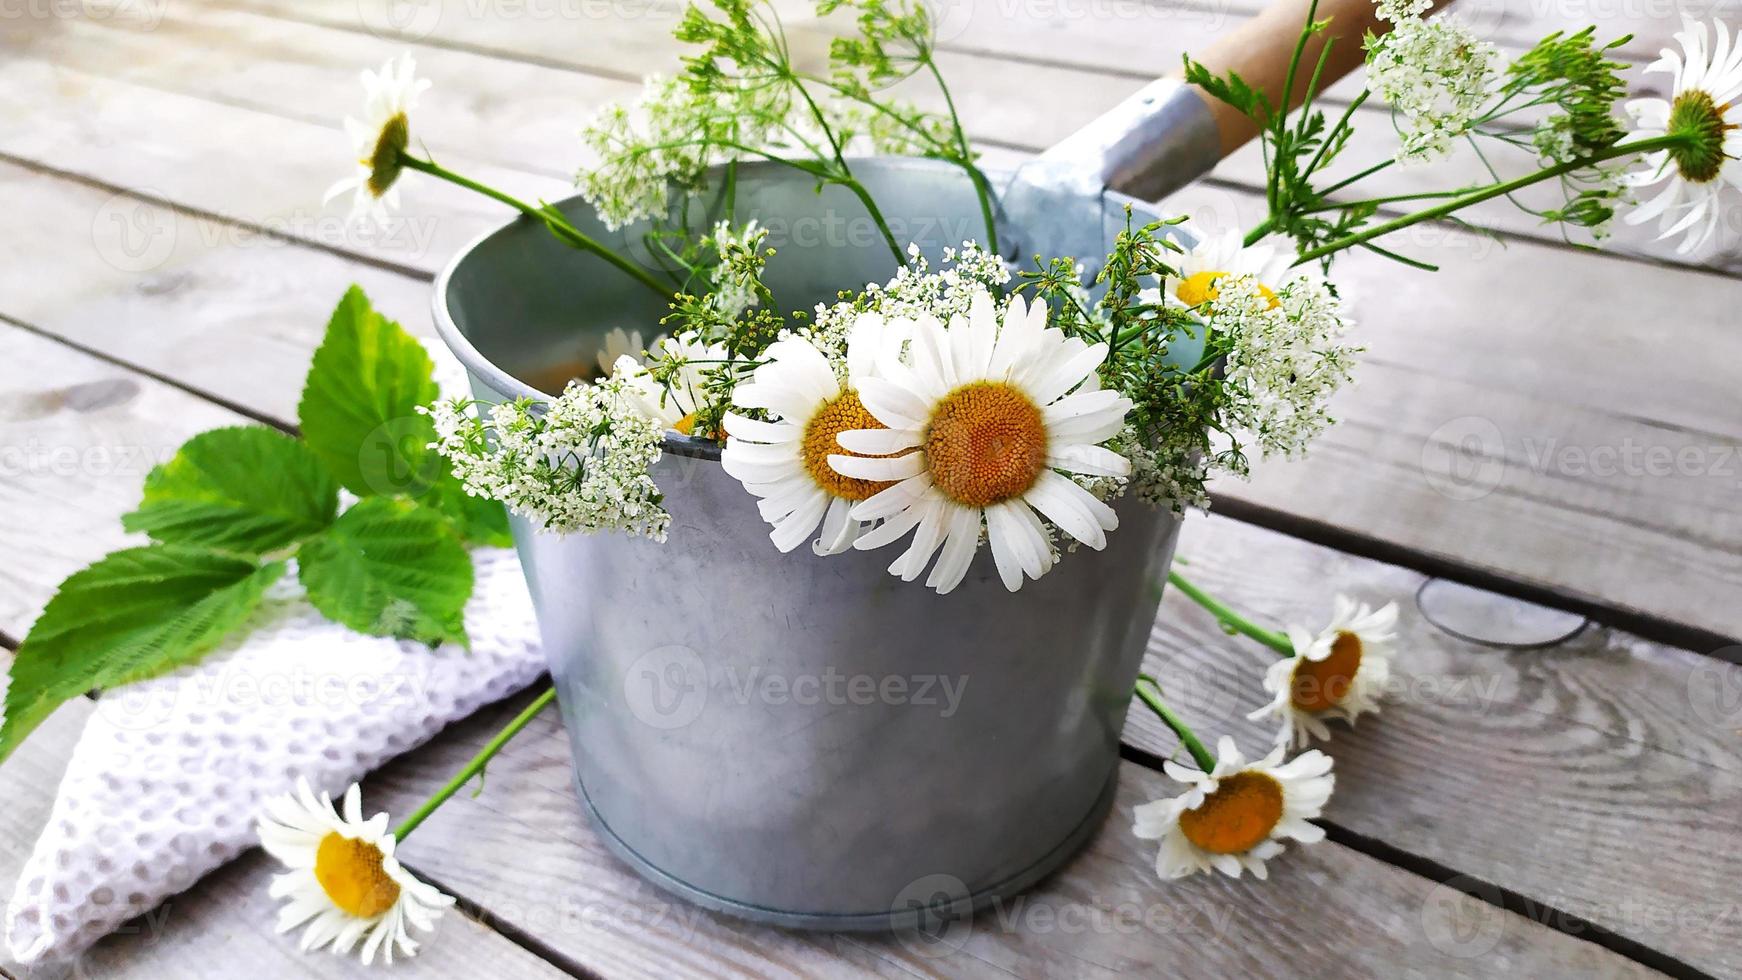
(984, 419)
(1707, 104)
(1216, 257)
(786, 461)
(620, 343)
(1235, 817)
(378, 138)
(675, 401)
(343, 879)
(1339, 672)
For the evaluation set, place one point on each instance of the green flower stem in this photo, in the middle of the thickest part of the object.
(476, 765)
(1462, 201)
(552, 219)
(1228, 617)
(864, 196)
(981, 188)
(1149, 692)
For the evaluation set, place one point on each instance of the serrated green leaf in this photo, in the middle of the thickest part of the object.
(248, 490)
(390, 568)
(359, 404)
(133, 614)
(478, 520)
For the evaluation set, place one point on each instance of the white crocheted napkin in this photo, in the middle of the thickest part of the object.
(169, 774)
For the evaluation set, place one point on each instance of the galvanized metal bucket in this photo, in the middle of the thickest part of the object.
(798, 740)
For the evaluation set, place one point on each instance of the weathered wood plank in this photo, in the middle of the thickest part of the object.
(524, 844)
(1600, 776)
(220, 308)
(209, 158)
(223, 925)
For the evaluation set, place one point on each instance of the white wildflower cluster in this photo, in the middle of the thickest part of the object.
(737, 279)
(579, 463)
(914, 291)
(1553, 139)
(670, 136)
(1436, 76)
(1285, 361)
(1167, 468)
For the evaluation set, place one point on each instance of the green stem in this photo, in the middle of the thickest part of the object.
(1151, 695)
(1496, 190)
(1342, 122)
(552, 219)
(476, 765)
(981, 188)
(1228, 617)
(864, 197)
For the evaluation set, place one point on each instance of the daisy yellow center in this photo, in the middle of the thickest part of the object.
(1698, 116)
(843, 414)
(1238, 816)
(986, 443)
(383, 164)
(1322, 684)
(1200, 288)
(350, 872)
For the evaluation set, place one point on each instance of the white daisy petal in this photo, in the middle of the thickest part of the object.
(351, 891)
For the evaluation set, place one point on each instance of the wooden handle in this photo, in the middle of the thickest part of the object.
(1260, 49)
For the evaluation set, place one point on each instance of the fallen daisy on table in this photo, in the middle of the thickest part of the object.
(343, 880)
(1339, 672)
(1236, 816)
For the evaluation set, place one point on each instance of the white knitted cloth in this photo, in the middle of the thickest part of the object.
(169, 774)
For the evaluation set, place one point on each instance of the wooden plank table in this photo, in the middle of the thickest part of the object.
(1564, 811)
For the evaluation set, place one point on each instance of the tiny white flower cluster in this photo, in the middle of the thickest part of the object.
(1166, 470)
(1285, 362)
(915, 291)
(670, 134)
(1436, 75)
(579, 463)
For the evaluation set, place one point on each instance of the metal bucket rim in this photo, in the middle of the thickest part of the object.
(501, 381)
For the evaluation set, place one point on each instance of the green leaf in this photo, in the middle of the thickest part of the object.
(359, 404)
(390, 568)
(132, 615)
(478, 520)
(247, 490)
